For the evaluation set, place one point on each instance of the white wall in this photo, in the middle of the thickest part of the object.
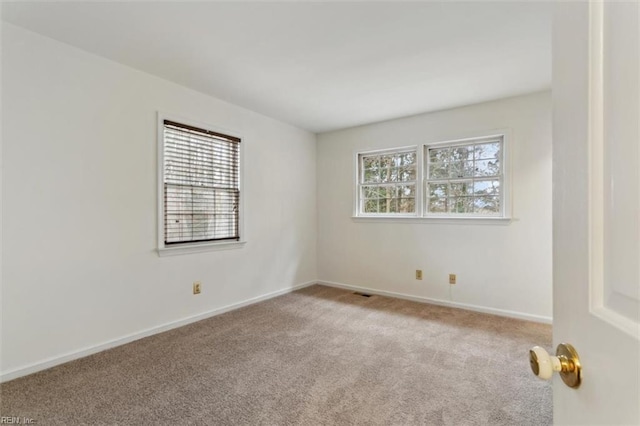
(1, 191)
(79, 209)
(499, 267)
(79, 219)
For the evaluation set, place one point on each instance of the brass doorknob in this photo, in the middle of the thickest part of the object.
(566, 362)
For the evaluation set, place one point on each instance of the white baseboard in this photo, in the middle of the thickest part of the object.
(70, 356)
(483, 309)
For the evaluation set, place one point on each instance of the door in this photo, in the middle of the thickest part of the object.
(596, 197)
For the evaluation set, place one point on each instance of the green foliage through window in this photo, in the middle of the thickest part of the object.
(449, 179)
(387, 183)
(465, 179)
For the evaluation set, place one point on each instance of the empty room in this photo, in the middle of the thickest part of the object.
(319, 213)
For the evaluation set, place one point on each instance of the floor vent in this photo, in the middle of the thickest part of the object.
(362, 294)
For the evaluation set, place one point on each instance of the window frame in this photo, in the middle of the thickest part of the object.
(359, 177)
(421, 214)
(461, 143)
(202, 246)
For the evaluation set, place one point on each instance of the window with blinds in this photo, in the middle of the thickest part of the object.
(201, 185)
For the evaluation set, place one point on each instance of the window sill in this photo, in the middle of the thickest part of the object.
(199, 248)
(436, 220)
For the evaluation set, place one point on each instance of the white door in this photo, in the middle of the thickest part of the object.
(596, 197)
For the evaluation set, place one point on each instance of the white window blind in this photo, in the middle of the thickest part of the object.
(201, 185)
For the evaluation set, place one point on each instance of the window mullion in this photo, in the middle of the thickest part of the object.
(419, 188)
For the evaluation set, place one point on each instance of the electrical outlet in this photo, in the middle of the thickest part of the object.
(418, 274)
(452, 278)
(196, 287)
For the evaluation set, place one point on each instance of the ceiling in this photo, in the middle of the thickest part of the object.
(319, 66)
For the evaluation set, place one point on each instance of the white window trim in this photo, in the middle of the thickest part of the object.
(197, 247)
(437, 220)
(421, 215)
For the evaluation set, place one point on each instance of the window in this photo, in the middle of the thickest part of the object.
(465, 179)
(455, 179)
(200, 186)
(387, 182)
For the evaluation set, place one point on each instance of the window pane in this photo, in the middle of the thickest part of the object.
(437, 205)
(460, 204)
(394, 174)
(369, 192)
(383, 206)
(388, 199)
(407, 205)
(383, 176)
(468, 168)
(202, 200)
(378, 192)
(409, 158)
(371, 206)
(461, 169)
(391, 205)
(462, 153)
(456, 170)
(226, 202)
(408, 191)
(371, 175)
(386, 161)
(177, 198)
(401, 168)
(391, 191)
(178, 227)
(403, 174)
(438, 171)
(486, 187)
(201, 225)
(464, 179)
(439, 155)
(487, 205)
(487, 168)
(407, 174)
(370, 162)
(438, 190)
(201, 184)
(461, 188)
(487, 151)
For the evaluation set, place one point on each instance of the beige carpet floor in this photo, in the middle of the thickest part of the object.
(319, 356)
